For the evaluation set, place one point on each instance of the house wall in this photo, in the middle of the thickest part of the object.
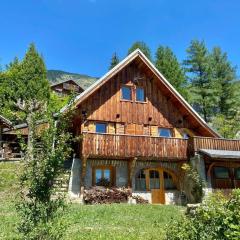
(139, 118)
(121, 174)
(121, 171)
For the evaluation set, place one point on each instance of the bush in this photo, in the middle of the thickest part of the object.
(216, 218)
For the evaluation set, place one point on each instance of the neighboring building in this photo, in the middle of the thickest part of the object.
(137, 131)
(66, 87)
(4, 123)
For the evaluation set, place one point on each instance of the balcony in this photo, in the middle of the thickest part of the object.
(129, 146)
(197, 143)
(120, 146)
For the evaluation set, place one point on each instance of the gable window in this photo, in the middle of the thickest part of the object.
(140, 95)
(101, 127)
(103, 176)
(126, 93)
(164, 132)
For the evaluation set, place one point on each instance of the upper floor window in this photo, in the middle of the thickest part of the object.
(164, 132)
(126, 93)
(140, 95)
(101, 127)
(185, 135)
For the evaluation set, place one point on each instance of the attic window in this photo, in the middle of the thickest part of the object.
(140, 95)
(126, 93)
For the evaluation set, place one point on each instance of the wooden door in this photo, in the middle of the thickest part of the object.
(156, 186)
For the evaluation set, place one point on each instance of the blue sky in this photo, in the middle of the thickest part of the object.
(81, 35)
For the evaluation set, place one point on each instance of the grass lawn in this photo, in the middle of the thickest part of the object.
(117, 221)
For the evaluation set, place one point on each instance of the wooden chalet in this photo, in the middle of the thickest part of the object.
(137, 130)
(67, 87)
(8, 149)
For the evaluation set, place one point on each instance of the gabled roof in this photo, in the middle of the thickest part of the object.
(131, 57)
(65, 81)
(5, 121)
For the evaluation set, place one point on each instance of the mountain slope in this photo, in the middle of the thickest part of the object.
(55, 76)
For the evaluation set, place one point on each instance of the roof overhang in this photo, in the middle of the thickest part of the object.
(5, 122)
(138, 54)
(220, 154)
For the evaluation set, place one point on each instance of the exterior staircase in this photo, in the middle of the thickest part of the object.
(61, 183)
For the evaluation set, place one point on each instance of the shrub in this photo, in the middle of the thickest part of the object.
(193, 184)
(216, 218)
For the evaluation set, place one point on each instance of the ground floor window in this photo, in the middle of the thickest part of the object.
(103, 176)
(148, 179)
(225, 177)
(141, 180)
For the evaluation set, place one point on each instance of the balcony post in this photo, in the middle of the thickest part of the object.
(131, 166)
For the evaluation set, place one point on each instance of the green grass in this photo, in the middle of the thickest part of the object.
(116, 221)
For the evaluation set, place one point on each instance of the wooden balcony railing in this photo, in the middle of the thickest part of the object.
(10, 151)
(127, 146)
(197, 143)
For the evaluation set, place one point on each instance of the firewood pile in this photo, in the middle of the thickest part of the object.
(102, 195)
(140, 200)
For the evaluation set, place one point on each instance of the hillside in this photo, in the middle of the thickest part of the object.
(55, 76)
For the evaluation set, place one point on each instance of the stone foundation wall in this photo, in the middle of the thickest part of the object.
(171, 197)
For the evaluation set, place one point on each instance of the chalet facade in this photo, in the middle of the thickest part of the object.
(137, 131)
(67, 87)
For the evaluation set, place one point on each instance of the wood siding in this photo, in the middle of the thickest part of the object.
(106, 105)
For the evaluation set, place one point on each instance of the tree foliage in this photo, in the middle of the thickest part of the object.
(25, 80)
(218, 217)
(224, 76)
(205, 93)
(167, 63)
(143, 47)
(114, 61)
(37, 209)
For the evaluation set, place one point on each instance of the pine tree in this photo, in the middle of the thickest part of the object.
(224, 76)
(24, 80)
(143, 47)
(167, 63)
(114, 61)
(198, 65)
(32, 78)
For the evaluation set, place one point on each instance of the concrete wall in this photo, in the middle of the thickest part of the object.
(74, 182)
(199, 164)
(171, 196)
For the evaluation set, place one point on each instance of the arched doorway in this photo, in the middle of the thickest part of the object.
(157, 181)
